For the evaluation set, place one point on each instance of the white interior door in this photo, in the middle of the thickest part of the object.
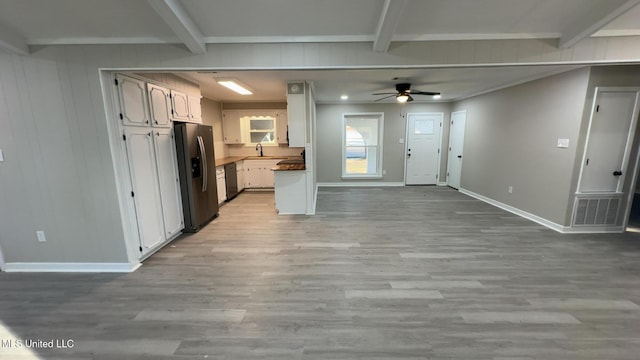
(609, 141)
(456, 144)
(423, 148)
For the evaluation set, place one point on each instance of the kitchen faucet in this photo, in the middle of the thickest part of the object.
(259, 148)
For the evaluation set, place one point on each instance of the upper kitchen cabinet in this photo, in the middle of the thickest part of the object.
(296, 113)
(282, 124)
(160, 105)
(186, 107)
(195, 109)
(180, 106)
(132, 95)
(231, 127)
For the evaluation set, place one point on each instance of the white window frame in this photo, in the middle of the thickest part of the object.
(245, 122)
(380, 152)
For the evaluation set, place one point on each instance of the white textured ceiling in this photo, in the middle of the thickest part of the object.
(197, 22)
(45, 22)
(359, 85)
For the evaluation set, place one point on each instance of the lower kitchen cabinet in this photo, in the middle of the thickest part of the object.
(221, 184)
(240, 175)
(258, 173)
(290, 192)
(155, 188)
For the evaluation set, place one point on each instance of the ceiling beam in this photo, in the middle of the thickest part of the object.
(13, 41)
(602, 13)
(389, 20)
(172, 12)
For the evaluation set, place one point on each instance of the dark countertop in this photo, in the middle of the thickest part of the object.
(229, 160)
(232, 159)
(289, 167)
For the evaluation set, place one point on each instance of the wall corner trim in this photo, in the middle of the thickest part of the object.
(360, 184)
(535, 218)
(73, 267)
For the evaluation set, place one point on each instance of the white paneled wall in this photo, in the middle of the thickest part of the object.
(58, 173)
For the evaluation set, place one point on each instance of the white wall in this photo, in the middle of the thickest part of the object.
(511, 140)
(329, 133)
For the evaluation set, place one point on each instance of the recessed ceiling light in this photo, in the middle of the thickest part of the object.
(436, 97)
(235, 85)
(344, 97)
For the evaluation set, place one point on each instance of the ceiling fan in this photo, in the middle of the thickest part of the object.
(403, 93)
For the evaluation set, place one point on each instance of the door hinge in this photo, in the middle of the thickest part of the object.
(140, 248)
(597, 108)
(171, 111)
(447, 174)
(133, 194)
(438, 151)
(121, 116)
(436, 176)
(116, 81)
(587, 162)
(124, 137)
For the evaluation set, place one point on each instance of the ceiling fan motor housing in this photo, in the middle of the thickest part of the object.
(403, 88)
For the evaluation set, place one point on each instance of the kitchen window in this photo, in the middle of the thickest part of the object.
(362, 135)
(260, 129)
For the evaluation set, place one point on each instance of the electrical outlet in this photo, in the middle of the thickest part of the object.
(40, 235)
(510, 190)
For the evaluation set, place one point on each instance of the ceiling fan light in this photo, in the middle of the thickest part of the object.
(436, 97)
(402, 98)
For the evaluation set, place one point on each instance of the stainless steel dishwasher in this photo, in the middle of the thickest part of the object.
(231, 180)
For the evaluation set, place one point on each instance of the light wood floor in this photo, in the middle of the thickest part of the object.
(394, 273)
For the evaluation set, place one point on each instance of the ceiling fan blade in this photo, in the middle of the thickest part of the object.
(384, 94)
(418, 92)
(386, 97)
(410, 99)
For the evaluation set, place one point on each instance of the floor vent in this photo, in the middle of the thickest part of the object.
(596, 211)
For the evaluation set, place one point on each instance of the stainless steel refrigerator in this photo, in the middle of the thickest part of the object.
(194, 145)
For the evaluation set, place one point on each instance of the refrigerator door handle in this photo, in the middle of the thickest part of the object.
(203, 158)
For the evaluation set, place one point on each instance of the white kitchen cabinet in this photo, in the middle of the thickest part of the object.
(258, 173)
(180, 106)
(282, 124)
(169, 181)
(231, 129)
(132, 94)
(159, 105)
(195, 109)
(141, 157)
(240, 175)
(290, 192)
(221, 184)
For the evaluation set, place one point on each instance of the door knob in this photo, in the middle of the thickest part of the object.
(617, 173)
(459, 156)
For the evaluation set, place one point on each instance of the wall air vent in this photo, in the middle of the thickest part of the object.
(596, 211)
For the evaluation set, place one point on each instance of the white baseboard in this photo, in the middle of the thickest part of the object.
(593, 230)
(360, 184)
(535, 218)
(72, 267)
(442, 184)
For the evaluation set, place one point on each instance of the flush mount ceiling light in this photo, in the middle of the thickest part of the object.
(344, 97)
(235, 85)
